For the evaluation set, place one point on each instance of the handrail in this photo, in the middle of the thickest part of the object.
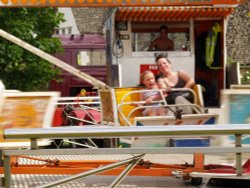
(173, 89)
(124, 131)
(114, 131)
(80, 98)
(196, 108)
(122, 103)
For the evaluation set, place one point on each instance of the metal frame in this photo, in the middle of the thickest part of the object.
(120, 106)
(114, 132)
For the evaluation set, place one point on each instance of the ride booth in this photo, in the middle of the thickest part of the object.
(198, 33)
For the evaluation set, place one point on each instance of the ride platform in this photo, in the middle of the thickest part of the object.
(145, 181)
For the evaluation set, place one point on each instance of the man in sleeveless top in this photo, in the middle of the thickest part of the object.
(162, 43)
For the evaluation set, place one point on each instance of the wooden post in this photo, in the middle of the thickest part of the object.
(53, 60)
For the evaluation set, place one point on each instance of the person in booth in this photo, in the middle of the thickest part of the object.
(162, 43)
(175, 79)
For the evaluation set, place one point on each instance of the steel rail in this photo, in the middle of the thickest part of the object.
(125, 131)
(108, 131)
(134, 160)
(126, 151)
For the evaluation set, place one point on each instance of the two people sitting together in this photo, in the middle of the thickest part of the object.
(167, 79)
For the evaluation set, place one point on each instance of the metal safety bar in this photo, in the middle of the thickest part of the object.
(87, 100)
(104, 131)
(122, 104)
(113, 132)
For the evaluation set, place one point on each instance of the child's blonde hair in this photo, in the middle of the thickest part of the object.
(143, 74)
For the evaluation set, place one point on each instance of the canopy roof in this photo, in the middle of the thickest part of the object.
(112, 3)
(178, 13)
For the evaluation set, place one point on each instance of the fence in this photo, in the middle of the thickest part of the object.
(118, 132)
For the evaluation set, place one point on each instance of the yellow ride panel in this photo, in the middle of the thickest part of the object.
(119, 94)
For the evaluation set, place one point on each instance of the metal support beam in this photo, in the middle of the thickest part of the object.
(125, 131)
(115, 151)
(53, 60)
(115, 132)
(7, 172)
(238, 155)
(91, 172)
(125, 172)
(33, 143)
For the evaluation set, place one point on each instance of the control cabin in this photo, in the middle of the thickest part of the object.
(198, 33)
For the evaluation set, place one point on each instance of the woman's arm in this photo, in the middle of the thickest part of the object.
(188, 79)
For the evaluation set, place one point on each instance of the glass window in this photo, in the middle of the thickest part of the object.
(91, 57)
(70, 30)
(141, 41)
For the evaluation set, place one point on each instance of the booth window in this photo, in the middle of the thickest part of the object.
(91, 57)
(143, 34)
(141, 41)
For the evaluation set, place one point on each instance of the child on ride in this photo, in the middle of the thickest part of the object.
(148, 80)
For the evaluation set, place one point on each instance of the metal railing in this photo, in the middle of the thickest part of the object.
(117, 132)
(162, 103)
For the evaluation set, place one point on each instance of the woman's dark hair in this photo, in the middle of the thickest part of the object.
(161, 56)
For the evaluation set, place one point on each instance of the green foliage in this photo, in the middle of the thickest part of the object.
(244, 74)
(21, 69)
(230, 61)
(245, 78)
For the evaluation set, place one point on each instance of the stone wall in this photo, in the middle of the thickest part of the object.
(91, 20)
(238, 35)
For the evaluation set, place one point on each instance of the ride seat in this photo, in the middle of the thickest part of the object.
(123, 97)
(199, 95)
(122, 100)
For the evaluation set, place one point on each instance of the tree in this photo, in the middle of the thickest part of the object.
(21, 69)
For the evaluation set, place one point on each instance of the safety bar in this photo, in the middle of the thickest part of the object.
(110, 131)
(78, 100)
(122, 103)
(123, 131)
(196, 108)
